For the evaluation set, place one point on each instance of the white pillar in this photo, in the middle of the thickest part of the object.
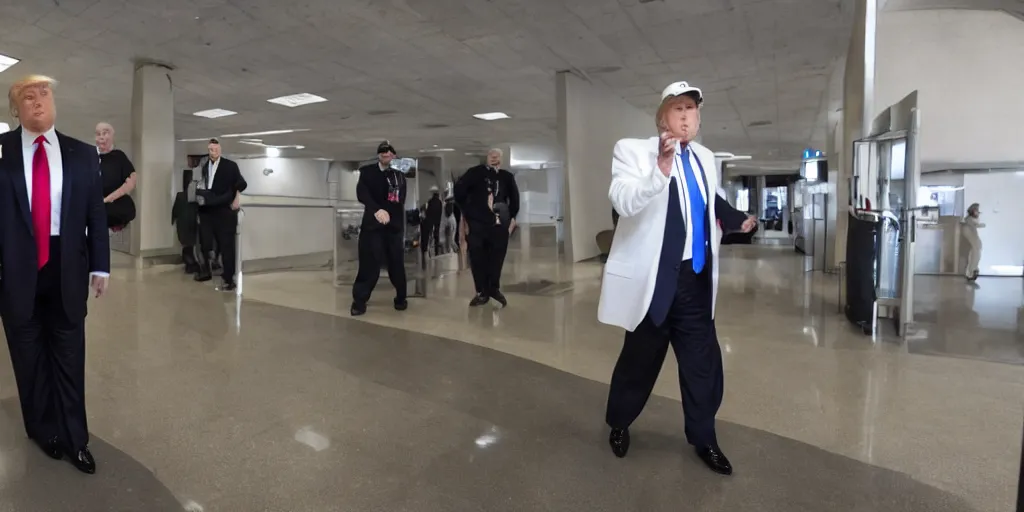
(153, 146)
(858, 109)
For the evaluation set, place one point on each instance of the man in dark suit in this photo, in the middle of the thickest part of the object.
(381, 189)
(53, 246)
(489, 198)
(221, 186)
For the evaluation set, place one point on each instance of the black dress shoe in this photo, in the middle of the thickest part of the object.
(498, 296)
(228, 286)
(401, 305)
(202, 277)
(479, 300)
(51, 447)
(619, 440)
(715, 460)
(83, 461)
(358, 309)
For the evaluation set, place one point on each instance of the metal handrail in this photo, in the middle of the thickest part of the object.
(278, 205)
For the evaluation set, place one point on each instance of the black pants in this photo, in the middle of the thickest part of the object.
(377, 248)
(430, 228)
(219, 227)
(690, 330)
(48, 357)
(487, 245)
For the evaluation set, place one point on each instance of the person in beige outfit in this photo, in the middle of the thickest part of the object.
(971, 223)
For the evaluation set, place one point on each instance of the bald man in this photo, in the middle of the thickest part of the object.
(53, 246)
(118, 178)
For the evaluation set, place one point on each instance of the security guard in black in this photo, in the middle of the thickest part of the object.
(381, 189)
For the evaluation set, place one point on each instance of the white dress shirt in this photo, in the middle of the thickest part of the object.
(684, 198)
(28, 150)
(56, 162)
(213, 172)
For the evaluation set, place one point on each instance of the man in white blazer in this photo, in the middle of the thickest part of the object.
(661, 278)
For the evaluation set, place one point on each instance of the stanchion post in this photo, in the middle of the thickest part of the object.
(238, 252)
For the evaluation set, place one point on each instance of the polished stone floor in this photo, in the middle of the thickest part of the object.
(280, 402)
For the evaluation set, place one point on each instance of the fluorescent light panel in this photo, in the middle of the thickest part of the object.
(433, 150)
(257, 134)
(491, 116)
(214, 113)
(6, 62)
(297, 100)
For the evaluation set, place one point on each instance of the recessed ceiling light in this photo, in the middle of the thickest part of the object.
(491, 116)
(297, 100)
(273, 152)
(214, 113)
(6, 62)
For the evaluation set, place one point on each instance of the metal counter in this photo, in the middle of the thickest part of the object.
(347, 218)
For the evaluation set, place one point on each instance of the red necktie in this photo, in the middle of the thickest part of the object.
(41, 201)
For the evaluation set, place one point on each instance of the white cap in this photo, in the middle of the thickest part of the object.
(680, 88)
(433, 188)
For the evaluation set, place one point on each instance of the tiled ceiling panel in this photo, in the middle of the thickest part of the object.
(415, 71)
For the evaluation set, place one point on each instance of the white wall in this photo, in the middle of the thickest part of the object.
(966, 66)
(999, 196)
(591, 120)
(292, 177)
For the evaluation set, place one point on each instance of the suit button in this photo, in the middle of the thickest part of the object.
(678, 266)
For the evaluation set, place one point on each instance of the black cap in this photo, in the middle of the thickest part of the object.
(386, 147)
(214, 141)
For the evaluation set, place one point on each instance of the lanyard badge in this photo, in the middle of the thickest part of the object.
(393, 189)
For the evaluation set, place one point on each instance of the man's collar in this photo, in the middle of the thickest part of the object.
(381, 166)
(212, 161)
(29, 137)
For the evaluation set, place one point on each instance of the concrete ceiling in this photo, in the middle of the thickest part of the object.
(414, 71)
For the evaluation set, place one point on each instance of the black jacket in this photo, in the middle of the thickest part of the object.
(434, 209)
(474, 186)
(226, 182)
(82, 210)
(183, 216)
(372, 190)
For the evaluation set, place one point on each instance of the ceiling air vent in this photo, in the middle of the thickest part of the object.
(434, 125)
(755, 124)
(381, 112)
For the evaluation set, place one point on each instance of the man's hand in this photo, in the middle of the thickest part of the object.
(99, 285)
(749, 224)
(382, 216)
(667, 153)
(511, 226)
(236, 204)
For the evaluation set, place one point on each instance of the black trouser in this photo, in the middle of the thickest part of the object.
(430, 227)
(690, 330)
(379, 247)
(220, 226)
(48, 357)
(487, 247)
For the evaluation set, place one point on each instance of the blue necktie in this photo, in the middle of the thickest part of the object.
(672, 248)
(698, 211)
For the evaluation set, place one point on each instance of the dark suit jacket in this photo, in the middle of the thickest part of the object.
(226, 182)
(84, 241)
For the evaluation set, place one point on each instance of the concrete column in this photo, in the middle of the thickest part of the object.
(858, 110)
(153, 147)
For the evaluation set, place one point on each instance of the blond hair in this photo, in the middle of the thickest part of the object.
(18, 88)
